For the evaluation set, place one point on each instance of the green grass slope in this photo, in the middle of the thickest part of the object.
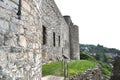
(74, 67)
(106, 68)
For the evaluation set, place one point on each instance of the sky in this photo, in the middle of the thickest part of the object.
(98, 20)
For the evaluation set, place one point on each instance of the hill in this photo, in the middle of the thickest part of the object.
(100, 52)
(96, 49)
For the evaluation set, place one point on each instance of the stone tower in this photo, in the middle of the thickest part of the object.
(74, 39)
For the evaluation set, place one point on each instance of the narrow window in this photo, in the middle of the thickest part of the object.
(59, 41)
(19, 10)
(44, 35)
(53, 38)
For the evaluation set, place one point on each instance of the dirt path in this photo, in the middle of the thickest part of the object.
(52, 78)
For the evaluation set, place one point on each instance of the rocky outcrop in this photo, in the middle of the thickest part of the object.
(90, 74)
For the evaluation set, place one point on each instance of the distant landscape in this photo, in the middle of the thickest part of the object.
(100, 52)
(103, 56)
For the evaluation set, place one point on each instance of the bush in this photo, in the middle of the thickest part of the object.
(86, 56)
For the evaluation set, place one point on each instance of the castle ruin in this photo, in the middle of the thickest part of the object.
(33, 32)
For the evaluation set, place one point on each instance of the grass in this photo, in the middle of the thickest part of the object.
(106, 69)
(80, 66)
(74, 67)
(53, 68)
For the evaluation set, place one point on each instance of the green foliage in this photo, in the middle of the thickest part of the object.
(106, 69)
(74, 67)
(86, 56)
(107, 58)
(80, 66)
(98, 56)
(102, 53)
(103, 57)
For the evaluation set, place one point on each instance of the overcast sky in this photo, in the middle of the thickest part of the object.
(98, 20)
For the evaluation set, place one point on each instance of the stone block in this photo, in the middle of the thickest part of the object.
(9, 42)
(22, 41)
(14, 28)
(15, 50)
(1, 40)
(4, 27)
(21, 30)
(38, 59)
(26, 6)
(2, 13)
(15, 1)
(3, 57)
(27, 67)
(31, 57)
(10, 39)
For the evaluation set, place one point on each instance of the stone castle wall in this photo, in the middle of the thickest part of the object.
(54, 23)
(32, 32)
(20, 39)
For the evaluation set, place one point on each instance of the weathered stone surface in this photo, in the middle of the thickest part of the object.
(26, 6)
(91, 74)
(21, 37)
(4, 27)
(3, 57)
(10, 39)
(17, 60)
(15, 1)
(22, 41)
(14, 28)
(54, 23)
(1, 40)
(74, 39)
(15, 50)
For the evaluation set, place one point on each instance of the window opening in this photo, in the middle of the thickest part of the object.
(53, 38)
(59, 41)
(19, 10)
(44, 35)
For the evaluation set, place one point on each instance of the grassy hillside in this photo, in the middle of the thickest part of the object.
(80, 66)
(87, 62)
(106, 68)
(74, 67)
